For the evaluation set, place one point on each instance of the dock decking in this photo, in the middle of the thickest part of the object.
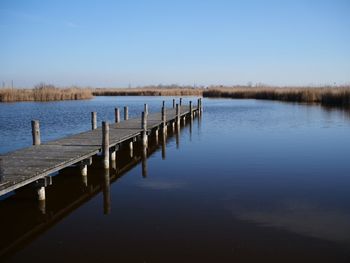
(28, 165)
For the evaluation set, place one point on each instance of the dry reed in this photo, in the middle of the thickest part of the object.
(332, 96)
(44, 93)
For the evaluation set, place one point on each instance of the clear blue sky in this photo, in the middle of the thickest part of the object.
(114, 43)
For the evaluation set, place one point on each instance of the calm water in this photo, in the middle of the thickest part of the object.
(249, 181)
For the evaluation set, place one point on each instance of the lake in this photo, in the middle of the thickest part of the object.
(248, 181)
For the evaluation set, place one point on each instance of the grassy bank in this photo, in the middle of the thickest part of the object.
(339, 96)
(44, 93)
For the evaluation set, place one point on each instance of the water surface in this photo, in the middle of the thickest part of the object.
(248, 181)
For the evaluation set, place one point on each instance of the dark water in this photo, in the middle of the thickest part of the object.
(251, 181)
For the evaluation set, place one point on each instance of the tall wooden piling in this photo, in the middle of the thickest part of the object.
(93, 120)
(191, 110)
(178, 114)
(144, 129)
(164, 126)
(145, 108)
(105, 144)
(36, 132)
(117, 115)
(126, 113)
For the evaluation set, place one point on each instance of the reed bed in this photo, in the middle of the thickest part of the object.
(332, 96)
(160, 90)
(45, 93)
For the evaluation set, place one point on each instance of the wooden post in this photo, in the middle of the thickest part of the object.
(145, 109)
(144, 129)
(93, 120)
(117, 115)
(41, 193)
(177, 114)
(131, 148)
(105, 144)
(191, 113)
(83, 168)
(173, 103)
(200, 105)
(126, 113)
(164, 119)
(113, 154)
(156, 134)
(36, 132)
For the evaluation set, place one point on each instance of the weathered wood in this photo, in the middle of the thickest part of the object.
(105, 144)
(126, 113)
(36, 132)
(25, 166)
(145, 109)
(178, 110)
(144, 129)
(93, 120)
(116, 115)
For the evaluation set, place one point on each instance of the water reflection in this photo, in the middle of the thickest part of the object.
(70, 190)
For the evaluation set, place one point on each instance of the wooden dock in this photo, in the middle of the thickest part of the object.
(35, 164)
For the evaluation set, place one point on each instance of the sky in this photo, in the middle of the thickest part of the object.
(187, 42)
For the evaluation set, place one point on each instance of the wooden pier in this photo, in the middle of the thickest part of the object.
(35, 164)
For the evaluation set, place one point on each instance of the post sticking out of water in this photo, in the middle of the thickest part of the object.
(36, 132)
(200, 105)
(117, 115)
(164, 119)
(145, 109)
(144, 129)
(93, 120)
(105, 144)
(173, 103)
(41, 193)
(191, 113)
(131, 148)
(126, 113)
(177, 114)
(114, 154)
(180, 101)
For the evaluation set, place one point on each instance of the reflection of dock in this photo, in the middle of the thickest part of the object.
(76, 191)
(34, 164)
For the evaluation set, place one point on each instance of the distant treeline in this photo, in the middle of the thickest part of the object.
(326, 95)
(43, 92)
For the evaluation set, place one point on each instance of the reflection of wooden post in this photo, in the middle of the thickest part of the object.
(144, 129)
(180, 101)
(163, 104)
(163, 145)
(105, 144)
(177, 136)
(117, 115)
(106, 193)
(126, 113)
(173, 103)
(36, 132)
(200, 105)
(144, 161)
(93, 120)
